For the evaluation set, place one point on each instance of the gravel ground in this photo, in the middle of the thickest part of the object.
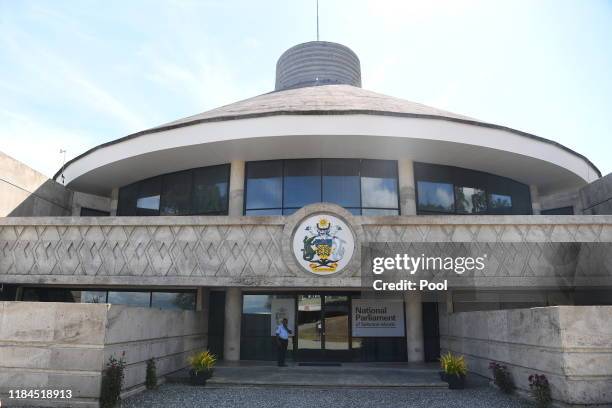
(185, 396)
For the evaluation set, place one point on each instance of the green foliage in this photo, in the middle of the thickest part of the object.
(502, 377)
(151, 379)
(453, 364)
(112, 381)
(204, 361)
(540, 390)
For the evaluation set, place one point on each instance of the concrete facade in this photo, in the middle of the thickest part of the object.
(596, 198)
(255, 251)
(24, 192)
(66, 346)
(571, 345)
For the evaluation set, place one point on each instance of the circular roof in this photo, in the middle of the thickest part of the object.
(333, 120)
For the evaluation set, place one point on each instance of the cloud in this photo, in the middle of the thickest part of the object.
(38, 144)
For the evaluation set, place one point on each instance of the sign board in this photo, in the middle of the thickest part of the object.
(282, 309)
(377, 318)
(323, 244)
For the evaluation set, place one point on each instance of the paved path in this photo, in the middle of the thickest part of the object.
(347, 375)
(477, 395)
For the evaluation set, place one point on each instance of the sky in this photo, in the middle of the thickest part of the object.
(75, 74)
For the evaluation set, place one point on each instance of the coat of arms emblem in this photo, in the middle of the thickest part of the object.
(323, 244)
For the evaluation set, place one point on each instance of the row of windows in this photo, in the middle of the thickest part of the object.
(453, 190)
(364, 187)
(201, 191)
(184, 300)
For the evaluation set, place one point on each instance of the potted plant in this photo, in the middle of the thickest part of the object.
(455, 370)
(202, 366)
(502, 377)
(540, 390)
(443, 361)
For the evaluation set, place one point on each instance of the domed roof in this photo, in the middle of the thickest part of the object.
(326, 99)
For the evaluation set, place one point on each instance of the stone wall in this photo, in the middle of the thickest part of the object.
(596, 198)
(255, 251)
(571, 345)
(66, 345)
(24, 192)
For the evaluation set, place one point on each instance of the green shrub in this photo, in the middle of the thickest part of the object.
(540, 390)
(502, 377)
(453, 364)
(112, 382)
(204, 361)
(151, 379)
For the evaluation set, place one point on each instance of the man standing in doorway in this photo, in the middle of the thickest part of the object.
(282, 339)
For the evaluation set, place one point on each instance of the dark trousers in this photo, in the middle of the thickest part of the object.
(282, 349)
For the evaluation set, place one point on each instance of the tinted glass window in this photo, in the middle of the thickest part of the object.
(379, 184)
(176, 197)
(264, 185)
(147, 200)
(210, 190)
(302, 183)
(475, 192)
(196, 191)
(470, 200)
(559, 211)
(341, 182)
(92, 296)
(284, 186)
(435, 196)
(500, 202)
(127, 200)
(91, 212)
(141, 299)
(171, 300)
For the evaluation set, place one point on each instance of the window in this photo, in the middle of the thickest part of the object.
(470, 200)
(176, 197)
(500, 201)
(197, 191)
(185, 299)
(173, 300)
(341, 182)
(368, 187)
(559, 211)
(210, 190)
(265, 188)
(90, 212)
(379, 185)
(140, 299)
(301, 183)
(454, 190)
(436, 197)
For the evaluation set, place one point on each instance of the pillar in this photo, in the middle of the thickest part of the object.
(233, 317)
(414, 326)
(536, 207)
(405, 172)
(114, 201)
(236, 188)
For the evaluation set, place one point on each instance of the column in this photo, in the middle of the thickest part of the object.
(536, 207)
(114, 201)
(236, 188)
(414, 326)
(233, 317)
(405, 170)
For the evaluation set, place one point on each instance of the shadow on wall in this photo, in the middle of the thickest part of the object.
(596, 198)
(49, 200)
(24, 192)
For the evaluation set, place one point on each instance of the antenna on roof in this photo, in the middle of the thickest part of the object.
(317, 20)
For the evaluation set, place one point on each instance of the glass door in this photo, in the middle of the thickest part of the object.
(323, 327)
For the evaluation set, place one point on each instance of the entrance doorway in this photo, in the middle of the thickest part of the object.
(323, 327)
